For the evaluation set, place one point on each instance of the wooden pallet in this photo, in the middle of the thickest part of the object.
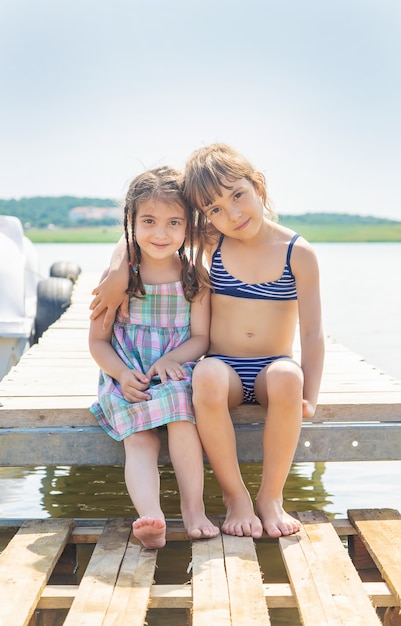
(226, 586)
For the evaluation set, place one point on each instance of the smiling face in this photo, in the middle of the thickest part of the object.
(238, 211)
(160, 228)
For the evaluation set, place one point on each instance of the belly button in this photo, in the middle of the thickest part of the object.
(250, 335)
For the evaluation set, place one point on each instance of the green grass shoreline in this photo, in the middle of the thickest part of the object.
(316, 233)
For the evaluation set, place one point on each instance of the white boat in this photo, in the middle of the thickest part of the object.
(28, 303)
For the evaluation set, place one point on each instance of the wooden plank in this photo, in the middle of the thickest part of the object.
(339, 412)
(171, 597)
(211, 603)
(73, 366)
(29, 411)
(40, 408)
(366, 384)
(179, 596)
(87, 530)
(380, 531)
(130, 599)
(39, 387)
(325, 583)
(366, 398)
(68, 362)
(174, 596)
(25, 567)
(75, 341)
(95, 591)
(245, 587)
(315, 602)
(336, 389)
(281, 596)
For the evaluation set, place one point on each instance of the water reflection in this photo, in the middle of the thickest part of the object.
(101, 492)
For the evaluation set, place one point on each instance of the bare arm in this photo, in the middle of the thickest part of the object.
(133, 382)
(306, 271)
(170, 364)
(111, 291)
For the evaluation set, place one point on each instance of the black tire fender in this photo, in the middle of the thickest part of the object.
(53, 298)
(65, 269)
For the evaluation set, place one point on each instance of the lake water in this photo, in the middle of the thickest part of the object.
(361, 295)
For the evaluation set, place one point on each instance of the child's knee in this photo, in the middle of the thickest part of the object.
(285, 382)
(142, 439)
(209, 381)
(206, 372)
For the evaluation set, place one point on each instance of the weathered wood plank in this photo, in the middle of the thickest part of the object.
(26, 565)
(325, 583)
(245, 587)
(308, 583)
(211, 602)
(87, 530)
(42, 371)
(179, 596)
(374, 406)
(66, 407)
(130, 599)
(55, 387)
(19, 411)
(380, 531)
(97, 585)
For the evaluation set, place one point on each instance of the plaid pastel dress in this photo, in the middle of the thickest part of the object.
(157, 324)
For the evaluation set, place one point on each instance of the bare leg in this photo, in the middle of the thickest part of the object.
(187, 458)
(215, 384)
(282, 382)
(143, 484)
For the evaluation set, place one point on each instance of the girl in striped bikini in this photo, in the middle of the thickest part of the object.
(146, 360)
(264, 280)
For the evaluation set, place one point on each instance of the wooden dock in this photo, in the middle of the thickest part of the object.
(338, 572)
(48, 394)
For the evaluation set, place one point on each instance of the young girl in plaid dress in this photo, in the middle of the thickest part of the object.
(146, 360)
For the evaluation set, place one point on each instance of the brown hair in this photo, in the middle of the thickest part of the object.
(160, 184)
(206, 169)
(204, 173)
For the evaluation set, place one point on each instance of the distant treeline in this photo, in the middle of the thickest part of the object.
(39, 213)
(337, 218)
(326, 227)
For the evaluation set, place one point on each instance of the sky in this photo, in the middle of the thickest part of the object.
(95, 91)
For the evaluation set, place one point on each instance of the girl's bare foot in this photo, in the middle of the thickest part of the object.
(276, 522)
(198, 526)
(151, 532)
(241, 520)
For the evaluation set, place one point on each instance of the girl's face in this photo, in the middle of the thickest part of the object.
(160, 228)
(238, 212)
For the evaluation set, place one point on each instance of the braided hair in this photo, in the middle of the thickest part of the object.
(163, 184)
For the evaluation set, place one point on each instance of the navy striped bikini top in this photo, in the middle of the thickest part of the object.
(225, 284)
